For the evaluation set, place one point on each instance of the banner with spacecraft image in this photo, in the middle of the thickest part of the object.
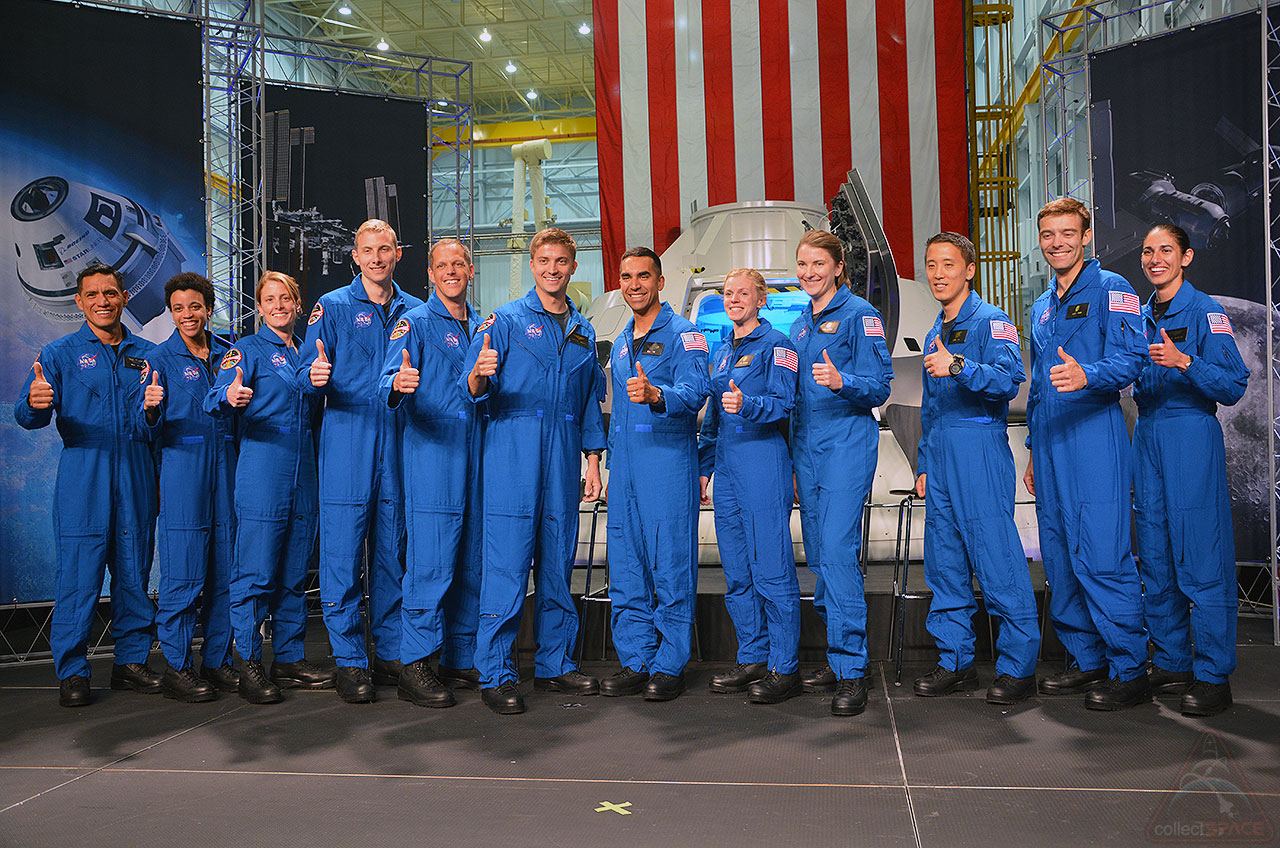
(100, 161)
(1176, 129)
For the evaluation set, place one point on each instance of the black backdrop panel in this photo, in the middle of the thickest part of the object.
(338, 142)
(1176, 131)
(101, 110)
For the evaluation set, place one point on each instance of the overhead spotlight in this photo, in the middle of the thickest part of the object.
(485, 36)
(584, 30)
(442, 102)
(531, 95)
(511, 67)
(383, 45)
(344, 10)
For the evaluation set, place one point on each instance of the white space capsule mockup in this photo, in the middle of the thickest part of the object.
(61, 227)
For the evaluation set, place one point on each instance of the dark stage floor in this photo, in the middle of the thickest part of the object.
(135, 770)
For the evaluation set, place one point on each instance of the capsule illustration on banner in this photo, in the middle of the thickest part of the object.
(61, 227)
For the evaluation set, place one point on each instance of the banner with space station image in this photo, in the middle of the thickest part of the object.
(100, 161)
(1176, 129)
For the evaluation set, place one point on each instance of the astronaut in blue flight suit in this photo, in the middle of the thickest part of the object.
(442, 442)
(753, 383)
(534, 361)
(972, 368)
(1087, 344)
(105, 494)
(275, 494)
(1186, 554)
(196, 525)
(659, 378)
(835, 440)
(360, 493)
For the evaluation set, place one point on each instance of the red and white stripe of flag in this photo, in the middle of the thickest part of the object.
(871, 326)
(694, 341)
(1119, 301)
(720, 101)
(786, 358)
(1219, 323)
(1004, 330)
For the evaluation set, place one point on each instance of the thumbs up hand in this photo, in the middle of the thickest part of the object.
(154, 394)
(639, 389)
(731, 400)
(826, 374)
(40, 396)
(407, 378)
(1166, 353)
(938, 363)
(321, 368)
(487, 362)
(1069, 376)
(238, 394)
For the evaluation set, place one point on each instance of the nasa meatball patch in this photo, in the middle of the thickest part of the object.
(363, 319)
(400, 330)
(316, 314)
(533, 331)
(279, 360)
(452, 339)
(231, 359)
(88, 360)
(191, 373)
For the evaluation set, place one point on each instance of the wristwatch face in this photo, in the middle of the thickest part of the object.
(957, 365)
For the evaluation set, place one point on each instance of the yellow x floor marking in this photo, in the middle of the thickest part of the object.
(617, 808)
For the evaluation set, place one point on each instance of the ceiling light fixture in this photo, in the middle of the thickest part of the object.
(511, 67)
(531, 95)
(344, 10)
(584, 30)
(383, 45)
(484, 35)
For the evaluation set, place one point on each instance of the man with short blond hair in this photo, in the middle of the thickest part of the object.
(361, 506)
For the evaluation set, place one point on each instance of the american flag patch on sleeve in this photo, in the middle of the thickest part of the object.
(1120, 301)
(786, 358)
(694, 341)
(1220, 323)
(1004, 330)
(871, 326)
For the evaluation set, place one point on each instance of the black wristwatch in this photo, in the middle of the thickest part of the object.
(957, 365)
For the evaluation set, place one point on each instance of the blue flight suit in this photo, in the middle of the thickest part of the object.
(970, 480)
(653, 494)
(275, 499)
(1080, 460)
(753, 494)
(360, 467)
(1186, 550)
(835, 441)
(197, 515)
(442, 450)
(543, 412)
(104, 499)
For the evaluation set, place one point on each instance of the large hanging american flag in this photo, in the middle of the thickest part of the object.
(720, 101)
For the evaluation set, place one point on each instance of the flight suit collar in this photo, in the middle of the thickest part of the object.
(86, 335)
(174, 344)
(533, 302)
(837, 300)
(970, 306)
(1087, 278)
(1181, 300)
(357, 290)
(758, 332)
(270, 335)
(665, 314)
(436, 305)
